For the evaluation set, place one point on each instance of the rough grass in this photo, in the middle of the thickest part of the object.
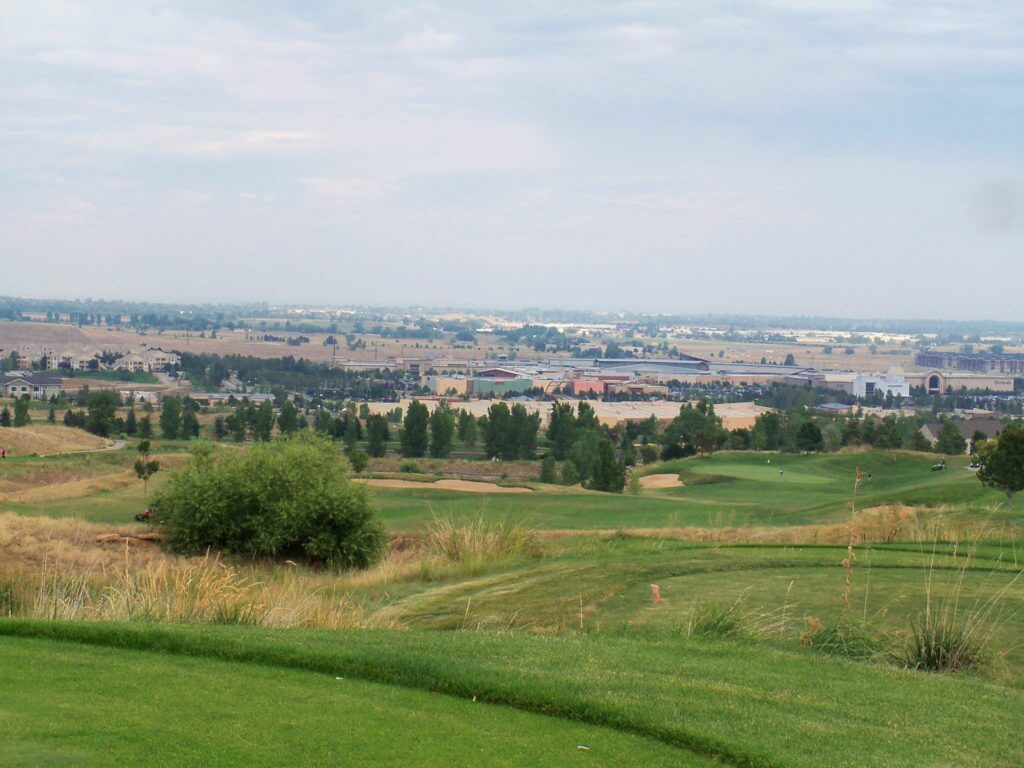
(43, 438)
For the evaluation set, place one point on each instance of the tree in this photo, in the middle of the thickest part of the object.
(189, 424)
(521, 438)
(767, 432)
(442, 432)
(562, 429)
(606, 474)
(377, 434)
(5, 417)
(51, 417)
(288, 418)
(145, 467)
(170, 417)
(131, 425)
(809, 437)
(495, 428)
(145, 427)
(950, 440)
(584, 452)
(220, 431)
(102, 412)
(263, 421)
(790, 360)
(548, 469)
(467, 429)
(289, 498)
(358, 459)
(414, 430)
(21, 416)
(1002, 461)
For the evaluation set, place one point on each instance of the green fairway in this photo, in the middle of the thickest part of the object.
(740, 703)
(727, 489)
(68, 704)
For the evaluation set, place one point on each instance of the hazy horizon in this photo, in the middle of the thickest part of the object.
(857, 158)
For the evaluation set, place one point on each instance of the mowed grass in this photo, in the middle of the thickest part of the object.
(740, 703)
(724, 490)
(70, 704)
(727, 489)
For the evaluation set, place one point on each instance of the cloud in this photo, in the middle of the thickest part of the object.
(427, 41)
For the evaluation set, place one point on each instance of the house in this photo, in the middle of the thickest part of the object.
(36, 385)
(990, 428)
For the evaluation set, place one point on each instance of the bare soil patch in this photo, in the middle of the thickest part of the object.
(653, 482)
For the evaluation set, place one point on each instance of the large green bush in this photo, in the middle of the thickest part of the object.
(287, 498)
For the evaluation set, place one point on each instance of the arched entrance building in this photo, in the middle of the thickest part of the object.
(933, 383)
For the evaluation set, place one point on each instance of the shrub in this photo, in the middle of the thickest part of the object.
(715, 619)
(842, 638)
(570, 475)
(358, 459)
(480, 541)
(938, 643)
(286, 498)
(410, 468)
(548, 470)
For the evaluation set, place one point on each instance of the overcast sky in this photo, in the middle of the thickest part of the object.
(842, 157)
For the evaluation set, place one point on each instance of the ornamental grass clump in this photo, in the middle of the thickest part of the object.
(289, 498)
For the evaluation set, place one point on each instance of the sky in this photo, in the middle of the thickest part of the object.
(831, 157)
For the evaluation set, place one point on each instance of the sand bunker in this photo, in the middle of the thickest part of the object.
(470, 486)
(649, 482)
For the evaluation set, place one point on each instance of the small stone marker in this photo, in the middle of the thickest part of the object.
(655, 594)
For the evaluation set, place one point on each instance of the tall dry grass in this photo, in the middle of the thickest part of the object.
(59, 569)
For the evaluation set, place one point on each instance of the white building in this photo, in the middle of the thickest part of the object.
(871, 384)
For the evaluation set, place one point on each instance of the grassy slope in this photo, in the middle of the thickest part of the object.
(744, 704)
(69, 704)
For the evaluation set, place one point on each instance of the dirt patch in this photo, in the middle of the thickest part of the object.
(469, 486)
(653, 482)
(24, 441)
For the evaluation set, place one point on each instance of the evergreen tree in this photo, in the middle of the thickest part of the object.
(263, 423)
(606, 474)
(467, 429)
(442, 432)
(288, 418)
(414, 430)
(131, 425)
(5, 417)
(21, 415)
(170, 417)
(145, 427)
(377, 434)
(189, 424)
(950, 441)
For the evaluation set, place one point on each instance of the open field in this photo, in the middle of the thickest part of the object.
(808, 352)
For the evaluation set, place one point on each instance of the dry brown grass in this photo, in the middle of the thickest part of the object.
(67, 569)
(45, 439)
(891, 523)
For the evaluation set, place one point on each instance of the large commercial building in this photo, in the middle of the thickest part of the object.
(977, 362)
